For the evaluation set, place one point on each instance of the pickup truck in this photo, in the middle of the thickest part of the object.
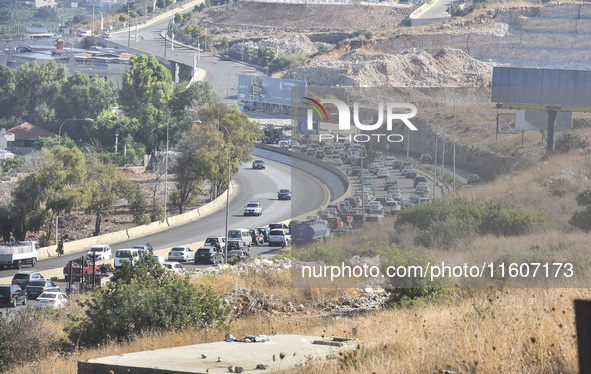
(77, 269)
(17, 254)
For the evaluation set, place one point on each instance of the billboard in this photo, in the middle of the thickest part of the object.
(541, 86)
(537, 120)
(267, 90)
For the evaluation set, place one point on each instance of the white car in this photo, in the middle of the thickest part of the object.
(160, 259)
(51, 299)
(253, 208)
(389, 161)
(181, 254)
(174, 266)
(383, 173)
(279, 237)
(100, 252)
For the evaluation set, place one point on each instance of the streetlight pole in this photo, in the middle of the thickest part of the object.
(166, 160)
(227, 195)
(59, 139)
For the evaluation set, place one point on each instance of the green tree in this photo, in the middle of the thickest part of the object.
(137, 204)
(195, 95)
(195, 163)
(82, 96)
(7, 93)
(105, 185)
(145, 298)
(36, 88)
(145, 93)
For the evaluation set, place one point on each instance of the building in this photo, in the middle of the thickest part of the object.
(108, 63)
(25, 134)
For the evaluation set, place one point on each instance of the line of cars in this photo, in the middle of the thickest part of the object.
(28, 285)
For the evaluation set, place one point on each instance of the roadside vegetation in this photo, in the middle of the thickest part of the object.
(77, 171)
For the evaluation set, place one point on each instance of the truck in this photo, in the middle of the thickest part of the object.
(273, 134)
(17, 254)
(309, 231)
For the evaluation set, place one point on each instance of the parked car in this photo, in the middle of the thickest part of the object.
(208, 255)
(218, 242)
(51, 299)
(257, 237)
(37, 287)
(181, 254)
(284, 194)
(12, 294)
(174, 266)
(279, 237)
(473, 179)
(264, 230)
(78, 269)
(100, 252)
(130, 255)
(237, 245)
(253, 208)
(237, 256)
(23, 278)
(141, 248)
(258, 164)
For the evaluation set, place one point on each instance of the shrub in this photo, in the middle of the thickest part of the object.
(285, 62)
(410, 289)
(569, 141)
(581, 123)
(145, 297)
(582, 219)
(5, 340)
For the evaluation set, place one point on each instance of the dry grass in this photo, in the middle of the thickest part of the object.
(512, 331)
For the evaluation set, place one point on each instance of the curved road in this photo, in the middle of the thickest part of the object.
(261, 185)
(222, 75)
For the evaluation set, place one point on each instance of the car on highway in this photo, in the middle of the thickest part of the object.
(418, 179)
(37, 287)
(181, 254)
(208, 255)
(422, 187)
(279, 237)
(240, 234)
(237, 256)
(100, 252)
(130, 255)
(396, 196)
(237, 245)
(424, 200)
(284, 194)
(390, 182)
(258, 164)
(11, 295)
(383, 173)
(473, 179)
(141, 248)
(253, 208)
(410, 174)
(218, 242)
(415, 198)
(160, 259)
(406, 203)
(23, 278)
(389, 161)
(51, 299)
(174, 267)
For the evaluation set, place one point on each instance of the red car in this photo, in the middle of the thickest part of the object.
(77, 269)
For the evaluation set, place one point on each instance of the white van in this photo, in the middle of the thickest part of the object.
(240, 234)
(128, 254)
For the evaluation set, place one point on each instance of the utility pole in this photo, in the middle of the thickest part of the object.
(454, 150)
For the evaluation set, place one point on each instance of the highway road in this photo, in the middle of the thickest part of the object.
(261, 185)
(222, 75)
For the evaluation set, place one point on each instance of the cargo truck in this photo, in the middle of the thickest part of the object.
(309, 231)
(17, 254)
